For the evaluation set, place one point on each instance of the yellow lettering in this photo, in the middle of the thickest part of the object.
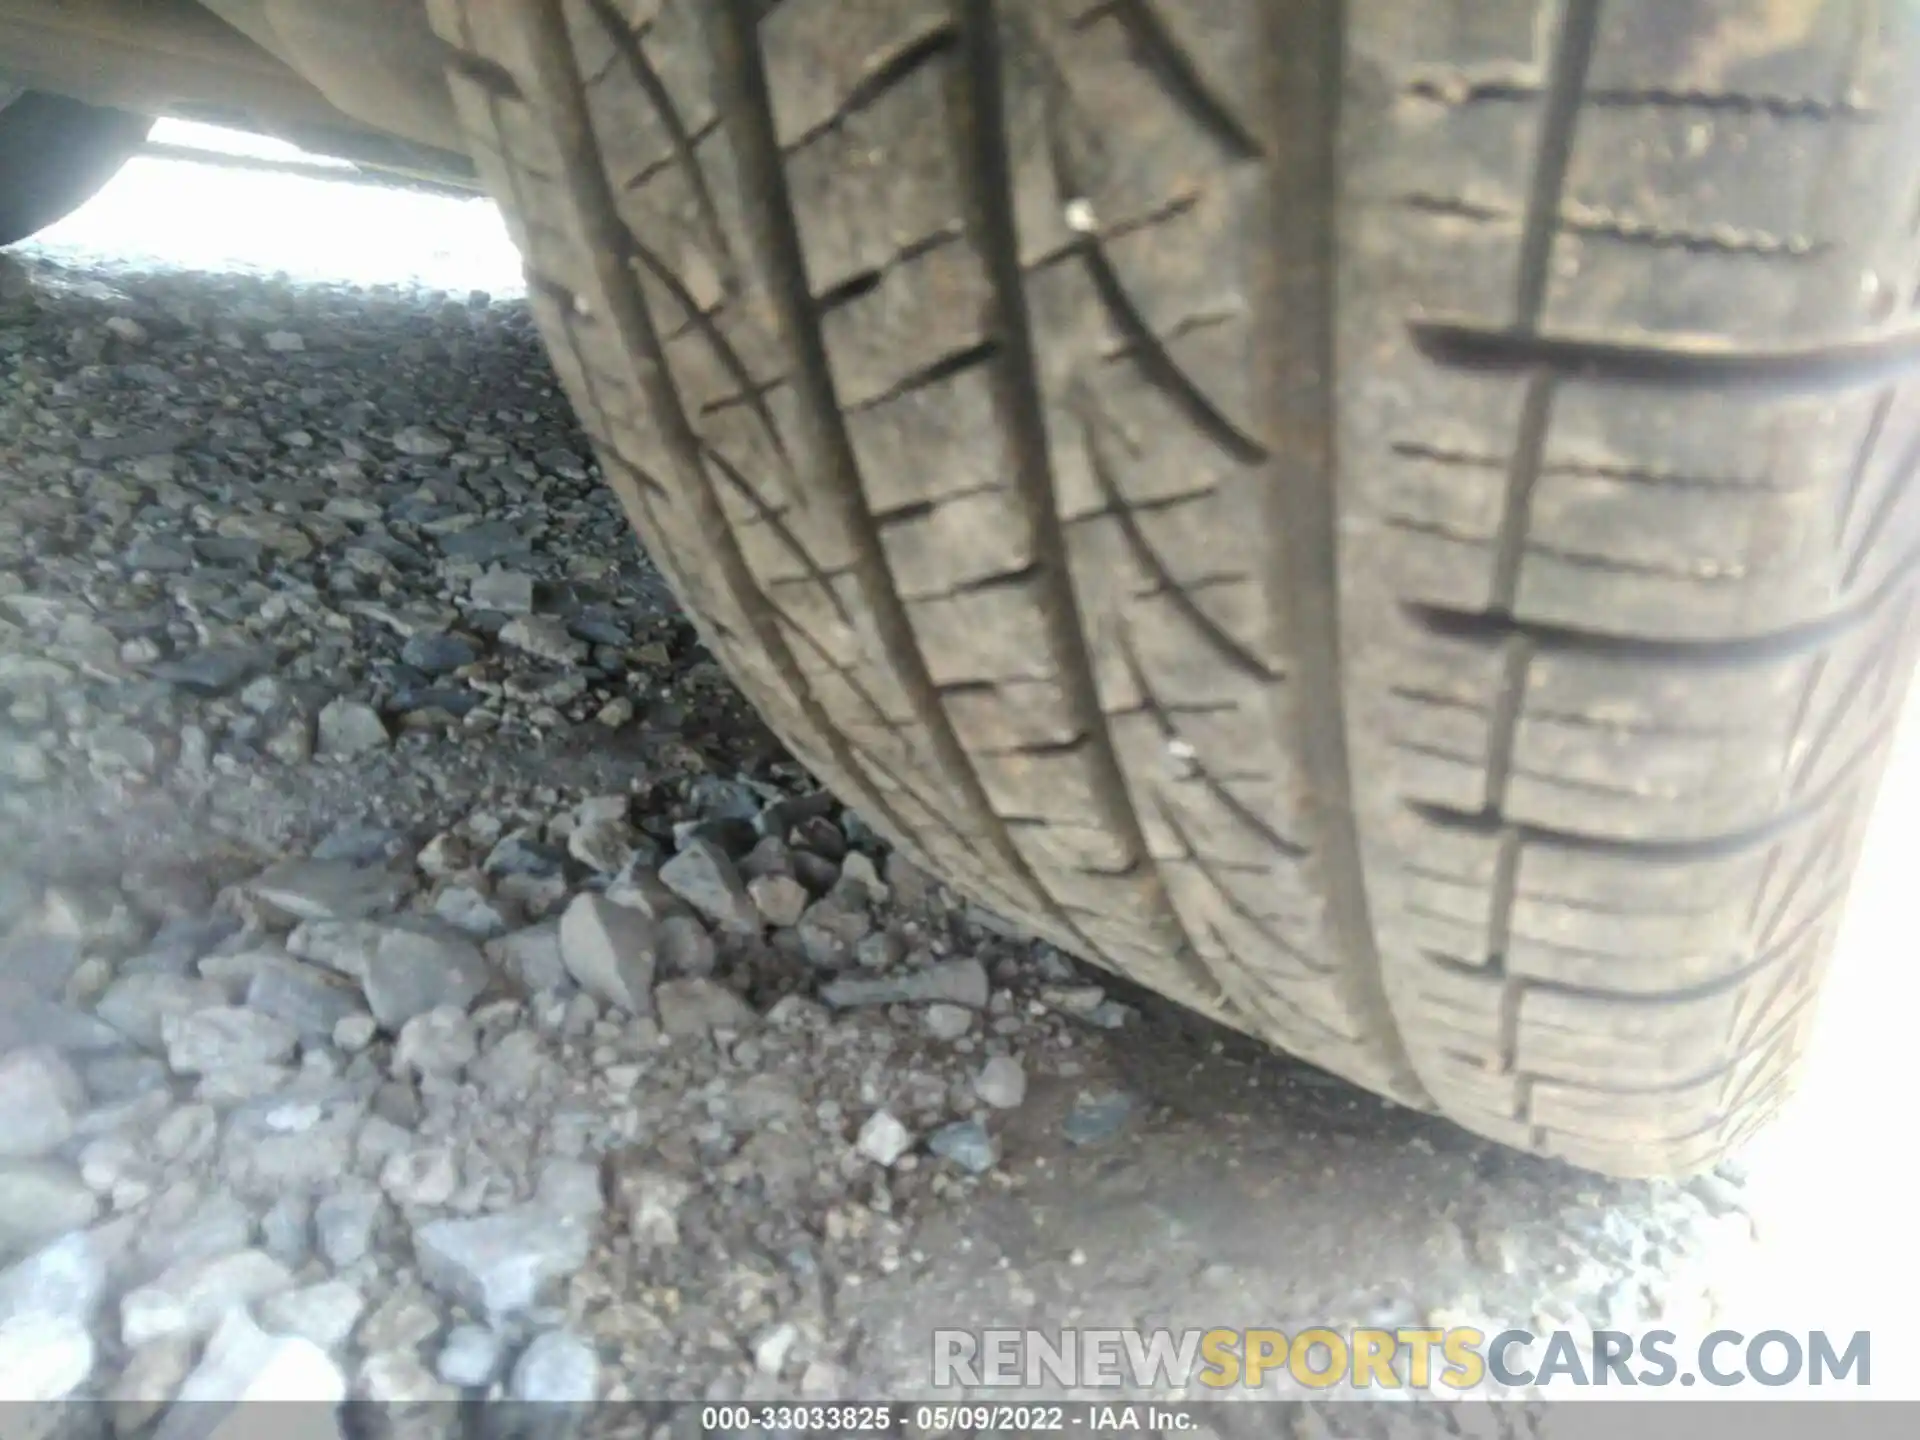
(1420, 1343)
(1219, 1349)
(1466, 1366)
(1266, 1350)
(1373, 1360)
(1304, 1344)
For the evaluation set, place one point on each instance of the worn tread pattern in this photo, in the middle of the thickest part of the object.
(1394, 530)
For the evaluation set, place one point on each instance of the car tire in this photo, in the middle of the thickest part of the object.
(1391, 525)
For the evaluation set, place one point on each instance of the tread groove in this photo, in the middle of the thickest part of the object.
(742, 82)
(1210, 782)
(631, 51)
(1237, 656)
(545, 30)
(1299, 61)
(980, 127)
(1182, 79)
(772, 520)
(1669, 364)
(1806, 638)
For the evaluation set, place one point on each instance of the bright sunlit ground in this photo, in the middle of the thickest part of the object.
(1834, 1187)
(173, 213)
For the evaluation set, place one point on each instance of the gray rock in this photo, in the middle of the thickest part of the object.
(324, 1313)
(881, 950)
(733, 838)
(121, 749)
(112, 1165)
(190, 1298)
(772, 1347)
(286, 1228)
(650, 1197)
(212, 672)
(859, 881)
(163, 557)
(351, 727)
(150, 1379)
(251, 1080)
(123, 1077)
(780, 899)
(437, 654)
(397, 1103)
(421, 440)
(421, 1178)
(42, 964)
(769, 856)
(314, 890)
(967, 1144)
(292, 743)
(781, 816)
(283, 342)
(544, 638)
(136, 1005)
(244, 1363)
(533, 954)
(705, 878)
(490, 540)
(469, 1356)
(950, 982)
(696, 1006)
(27, 1019)
(609, 950)
(685, 947)
(343, 1223)
(439, 1042)
(402, 1321)
(342, 945)
(1097, 1118)
(312, 1000)
(830, 931)
(419, 966)
(225, 1037)
(640, 889)
(472, 913)
(557, 1368)
(353, 1033)
(883, 1139)
(39, 1200)
(232, 968)
(519, 853)
(603, 845)
(43, 1358)
(398, 1381)
(507, 591)
(360, 844)
(512, 1067)
(1002, 1082)
(500, 1265)
(66, 1277)
(41, 1098)
(184, 1225)
(571, 1187)
(946, 1022)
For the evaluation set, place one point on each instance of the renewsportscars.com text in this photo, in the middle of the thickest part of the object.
(1458, 1359)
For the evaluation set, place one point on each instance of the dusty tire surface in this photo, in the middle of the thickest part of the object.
(1389, 525)
(55, 154)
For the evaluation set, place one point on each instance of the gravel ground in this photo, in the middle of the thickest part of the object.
(424, 977)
